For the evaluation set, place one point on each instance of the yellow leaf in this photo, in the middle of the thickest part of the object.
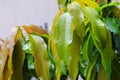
(52, 35)
(9, 44)
(39, 49)
(58, 71)
(90, 3)
(81, 2)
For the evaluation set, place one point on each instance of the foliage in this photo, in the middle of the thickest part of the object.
(84, 41)
(85, 34)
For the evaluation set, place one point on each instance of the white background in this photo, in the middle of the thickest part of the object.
(19, 12)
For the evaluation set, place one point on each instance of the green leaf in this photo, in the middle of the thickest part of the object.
(63, 36)
(26, 46)
(77, 18)
(93, 56)
(41, 61)
(30, 61)
(53, 46)
(102, 39)
(112, 25)
(96, 25)
(108, 5)
(117, 21)
(62, 3)
(117, 42)
(17, 61)
(116, 69)
(74, 48)
(90, 3)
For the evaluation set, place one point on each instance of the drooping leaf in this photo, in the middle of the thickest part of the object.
(74, 48)
(52, 33)
(53, 46)
(10, 42)
(93, 56)
(77, 18)
(34, 29)
(96, 25)
(3, 57)
(17, 61)
(63, 36)
(41, 60)
(102, 39)
(112, 25)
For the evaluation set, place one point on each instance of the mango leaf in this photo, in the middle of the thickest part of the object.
(62, 3)
(52, 33)
(112, 25)
(53, 47)
(117, 42)
(34, 29)
(81, 2)
(101, 74)
(74, 48)
(3, 57)
(117, 21)
(93, 56)
(41, 61)
(102, 39)
(90, 3)
(17, 61)
(63, 36)
(108, 5)
(96, 25)
(77, 18)
(115, 69)
(9, 44)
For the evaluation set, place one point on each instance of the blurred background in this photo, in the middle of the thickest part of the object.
(20, 12)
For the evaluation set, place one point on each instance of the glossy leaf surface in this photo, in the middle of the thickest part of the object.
(63, 36)
(100, 38)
